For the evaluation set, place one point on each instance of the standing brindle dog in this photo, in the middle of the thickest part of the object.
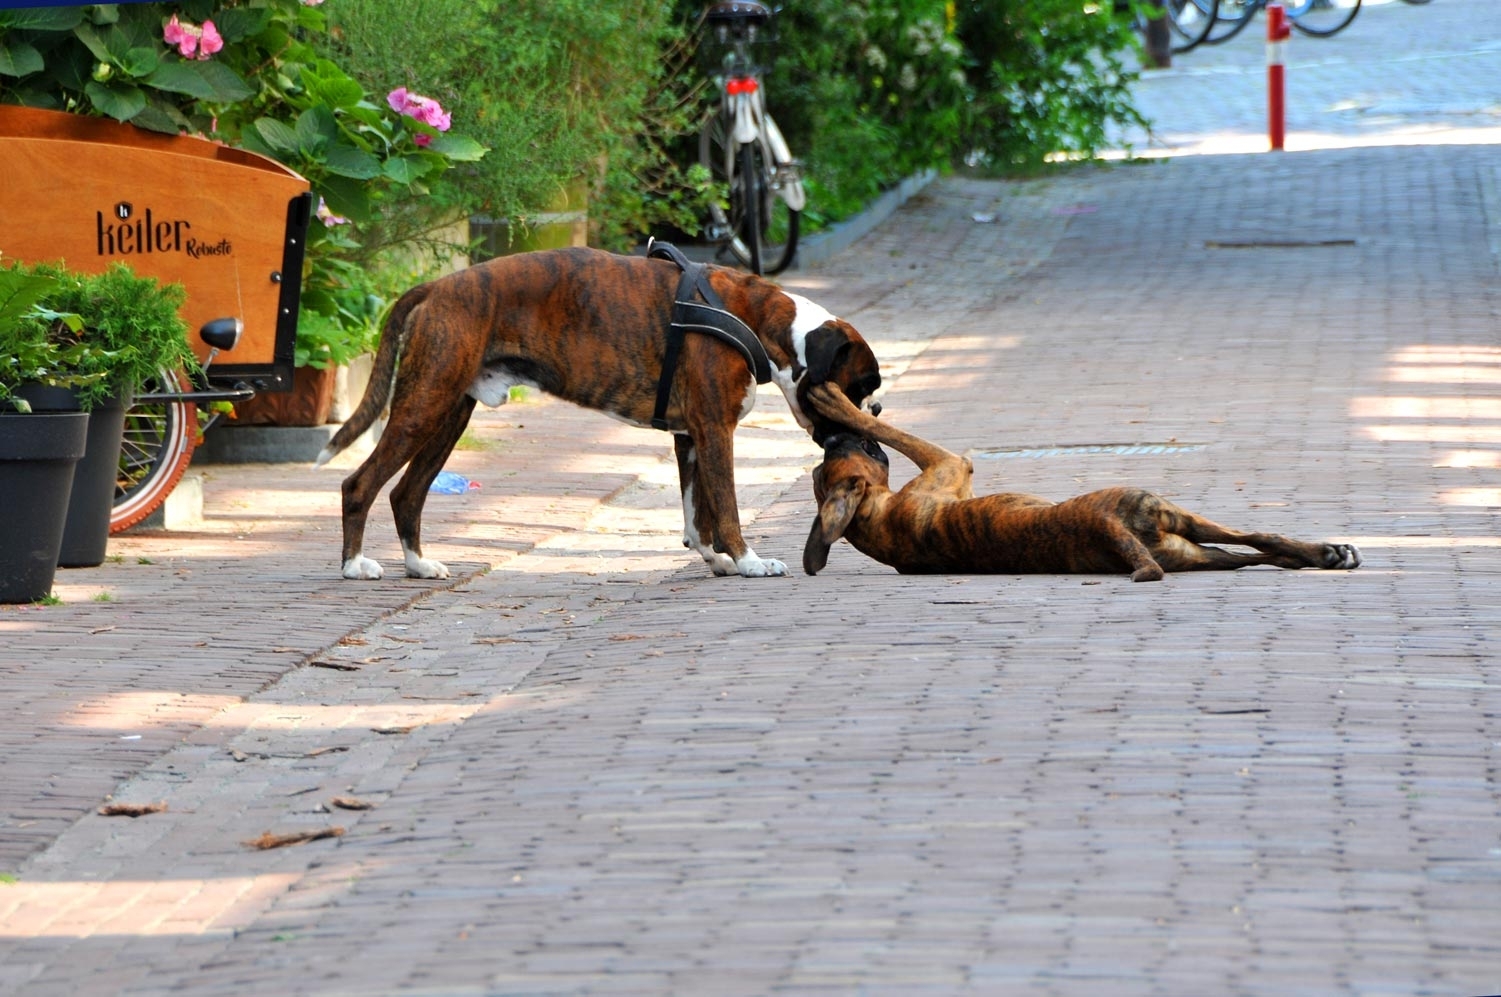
(935, 524)
(593, 328)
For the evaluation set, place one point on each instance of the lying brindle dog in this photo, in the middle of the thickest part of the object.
(935, 524)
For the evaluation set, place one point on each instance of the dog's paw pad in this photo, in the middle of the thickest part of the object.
(1341, 556)
(362, 568)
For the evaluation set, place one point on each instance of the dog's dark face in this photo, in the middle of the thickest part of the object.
(851, 466)
(836, 352)
(848, 457)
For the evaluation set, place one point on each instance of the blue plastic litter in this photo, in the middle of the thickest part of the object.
(448, 483)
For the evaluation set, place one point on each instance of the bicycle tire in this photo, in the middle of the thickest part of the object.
(723, 161)
(747, 182)
(1231, 19)
(156, 450)
(718, 157)
(1322, 18)
(778, 222)
(1191, 21)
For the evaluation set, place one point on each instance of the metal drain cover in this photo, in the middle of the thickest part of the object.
(1092, 449)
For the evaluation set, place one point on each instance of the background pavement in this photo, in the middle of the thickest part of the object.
(590, 767)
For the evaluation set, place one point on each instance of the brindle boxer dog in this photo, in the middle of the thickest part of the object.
(935, 524)
(589, 327)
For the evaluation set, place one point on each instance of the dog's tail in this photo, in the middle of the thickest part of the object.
(382, 376)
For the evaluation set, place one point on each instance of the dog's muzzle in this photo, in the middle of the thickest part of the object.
(846, 442)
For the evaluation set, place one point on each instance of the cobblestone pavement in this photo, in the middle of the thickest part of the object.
(590, 767)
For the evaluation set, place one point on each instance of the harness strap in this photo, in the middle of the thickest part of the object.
(709, 317)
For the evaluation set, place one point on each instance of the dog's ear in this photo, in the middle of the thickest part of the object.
(824, 346)
(834, 516)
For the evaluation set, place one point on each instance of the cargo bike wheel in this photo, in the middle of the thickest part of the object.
(156, 449)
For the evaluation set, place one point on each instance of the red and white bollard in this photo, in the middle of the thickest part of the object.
(1278, 30)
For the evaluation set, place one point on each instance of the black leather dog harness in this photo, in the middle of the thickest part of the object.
(708, 315)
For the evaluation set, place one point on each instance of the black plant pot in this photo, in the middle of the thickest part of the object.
(38, 452)
(86, 532)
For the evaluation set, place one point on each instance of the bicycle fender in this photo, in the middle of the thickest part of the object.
(745, 122)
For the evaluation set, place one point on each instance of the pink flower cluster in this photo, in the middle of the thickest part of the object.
(193, 41)
(423, 109)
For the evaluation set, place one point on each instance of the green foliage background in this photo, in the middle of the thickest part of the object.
(550, 97)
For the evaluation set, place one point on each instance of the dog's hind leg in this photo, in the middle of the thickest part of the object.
(1190, 530)
(410, 494)
(359, 492)
(1144, 567)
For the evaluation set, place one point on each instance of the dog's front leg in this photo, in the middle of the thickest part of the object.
(831, 400)
(698, 526)
(711, 514)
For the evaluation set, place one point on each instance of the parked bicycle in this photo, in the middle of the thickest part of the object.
(1190, 21)
(743, 148)
(1320, 18)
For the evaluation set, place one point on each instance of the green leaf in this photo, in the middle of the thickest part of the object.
(17, 58)
(316, 130)
(19, 292)
(280, 139)
(459, 148)
(160, 116)
(41, 18)
(347, 161)
(92, 41)
(402, 170)
(229, 87)
(69, 68)
(139, 61)
(338, 92)
(203, 80)
(120, 103)
(235, 24)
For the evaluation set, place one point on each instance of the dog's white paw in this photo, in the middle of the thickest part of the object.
(751, 566)
(361, 568)
(422, 567)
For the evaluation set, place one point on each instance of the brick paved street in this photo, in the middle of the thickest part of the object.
(591, 767)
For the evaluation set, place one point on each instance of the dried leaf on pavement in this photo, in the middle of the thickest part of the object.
(132, 809)
(269, 840)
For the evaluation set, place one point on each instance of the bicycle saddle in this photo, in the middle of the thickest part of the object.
(739, 12)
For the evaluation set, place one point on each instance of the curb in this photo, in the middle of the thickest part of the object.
(820, 247)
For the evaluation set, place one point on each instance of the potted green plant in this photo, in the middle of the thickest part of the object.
(38, 453)
(83, 342)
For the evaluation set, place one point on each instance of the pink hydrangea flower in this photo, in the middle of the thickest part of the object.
(423, 109)
(191, 40)
(211, 42)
